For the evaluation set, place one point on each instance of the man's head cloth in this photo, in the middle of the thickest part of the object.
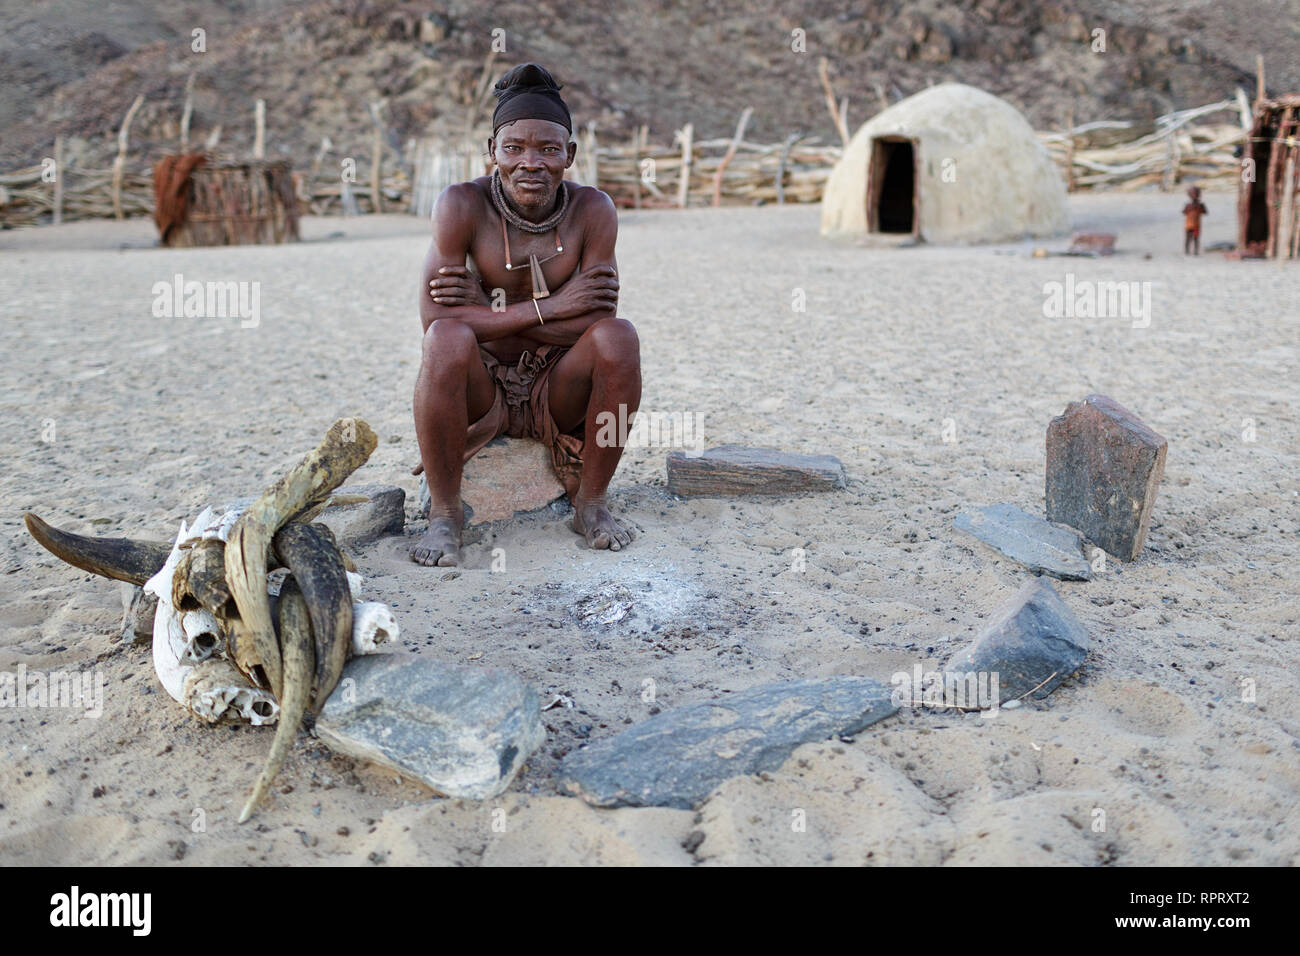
(529, 92)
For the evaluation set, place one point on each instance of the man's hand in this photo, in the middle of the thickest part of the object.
(456, 285)
(593, 290)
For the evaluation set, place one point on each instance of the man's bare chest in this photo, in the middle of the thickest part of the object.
(558, 257)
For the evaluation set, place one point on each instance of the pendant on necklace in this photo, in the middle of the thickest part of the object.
(539, 281)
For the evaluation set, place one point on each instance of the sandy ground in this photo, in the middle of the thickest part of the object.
(115, 422)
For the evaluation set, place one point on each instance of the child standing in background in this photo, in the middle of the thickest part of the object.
(1192, 213)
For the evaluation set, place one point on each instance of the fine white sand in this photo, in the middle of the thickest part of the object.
(116, 422)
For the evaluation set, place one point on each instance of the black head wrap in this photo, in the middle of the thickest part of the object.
(529, 92)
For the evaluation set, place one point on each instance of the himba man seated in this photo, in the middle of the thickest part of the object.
(519, 304)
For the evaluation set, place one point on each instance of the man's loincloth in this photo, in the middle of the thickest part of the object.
(522, 409)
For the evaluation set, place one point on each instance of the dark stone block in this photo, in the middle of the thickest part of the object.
(1037, 544)
(1033, 643)
(677, 758)
(737, 470)
(464, 732)
(1103, 468)
(383, 513)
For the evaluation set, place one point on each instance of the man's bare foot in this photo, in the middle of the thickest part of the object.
(440, 545)
(592, 520)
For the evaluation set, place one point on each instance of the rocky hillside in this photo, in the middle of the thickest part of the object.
(72, 67)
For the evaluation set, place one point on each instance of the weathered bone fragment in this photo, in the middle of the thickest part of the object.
(296, 645)
(215, 690)
(202, 637)
(168, 634)
(309, 554)
(168, 631)
(200, 580)
(373, 624)
(346, 446)
(121, 559)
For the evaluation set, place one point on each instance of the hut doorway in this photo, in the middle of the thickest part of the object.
(891, 193)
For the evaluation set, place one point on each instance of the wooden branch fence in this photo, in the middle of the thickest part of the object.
(1184, 146)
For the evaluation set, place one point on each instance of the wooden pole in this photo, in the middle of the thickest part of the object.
(325, 147)
(58, 180)
(880, 95)
(119, 162)
(731, 152)
(687, 134)
(780, 169)
(1259, 78)
(214, 137)
(593, 171)
(259, 135)
(1286, 217)
(186, 113)
(482, 89)
(376, 163)
(1173, 156)
(823, 71)
(1244, 110)
(1069, 150)
(636, 167)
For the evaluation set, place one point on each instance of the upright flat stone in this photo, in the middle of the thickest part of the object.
(1103, 468)
(463, 731)
(509, 476)
(678, 757)
(1037, 544)
(1033, 641)
(737, 470)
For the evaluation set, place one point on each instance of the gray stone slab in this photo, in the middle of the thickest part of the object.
(677, 758)
(383, 513)
(1032, 643)
(1037, 544)
(463, 731)
(738, 470)
(1103, 468)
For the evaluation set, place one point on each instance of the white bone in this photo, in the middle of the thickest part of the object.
(373, 624)
(202, 637)
(167, 633)
(189, 653)
(215, 690)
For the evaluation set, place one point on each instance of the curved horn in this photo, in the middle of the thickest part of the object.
(345, 448)
(317, 567)
(296, 646)
(118, 558)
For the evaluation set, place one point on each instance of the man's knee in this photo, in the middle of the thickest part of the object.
(448, 344)
(616, 342)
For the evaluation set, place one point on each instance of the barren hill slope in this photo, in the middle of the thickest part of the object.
(72, 67)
